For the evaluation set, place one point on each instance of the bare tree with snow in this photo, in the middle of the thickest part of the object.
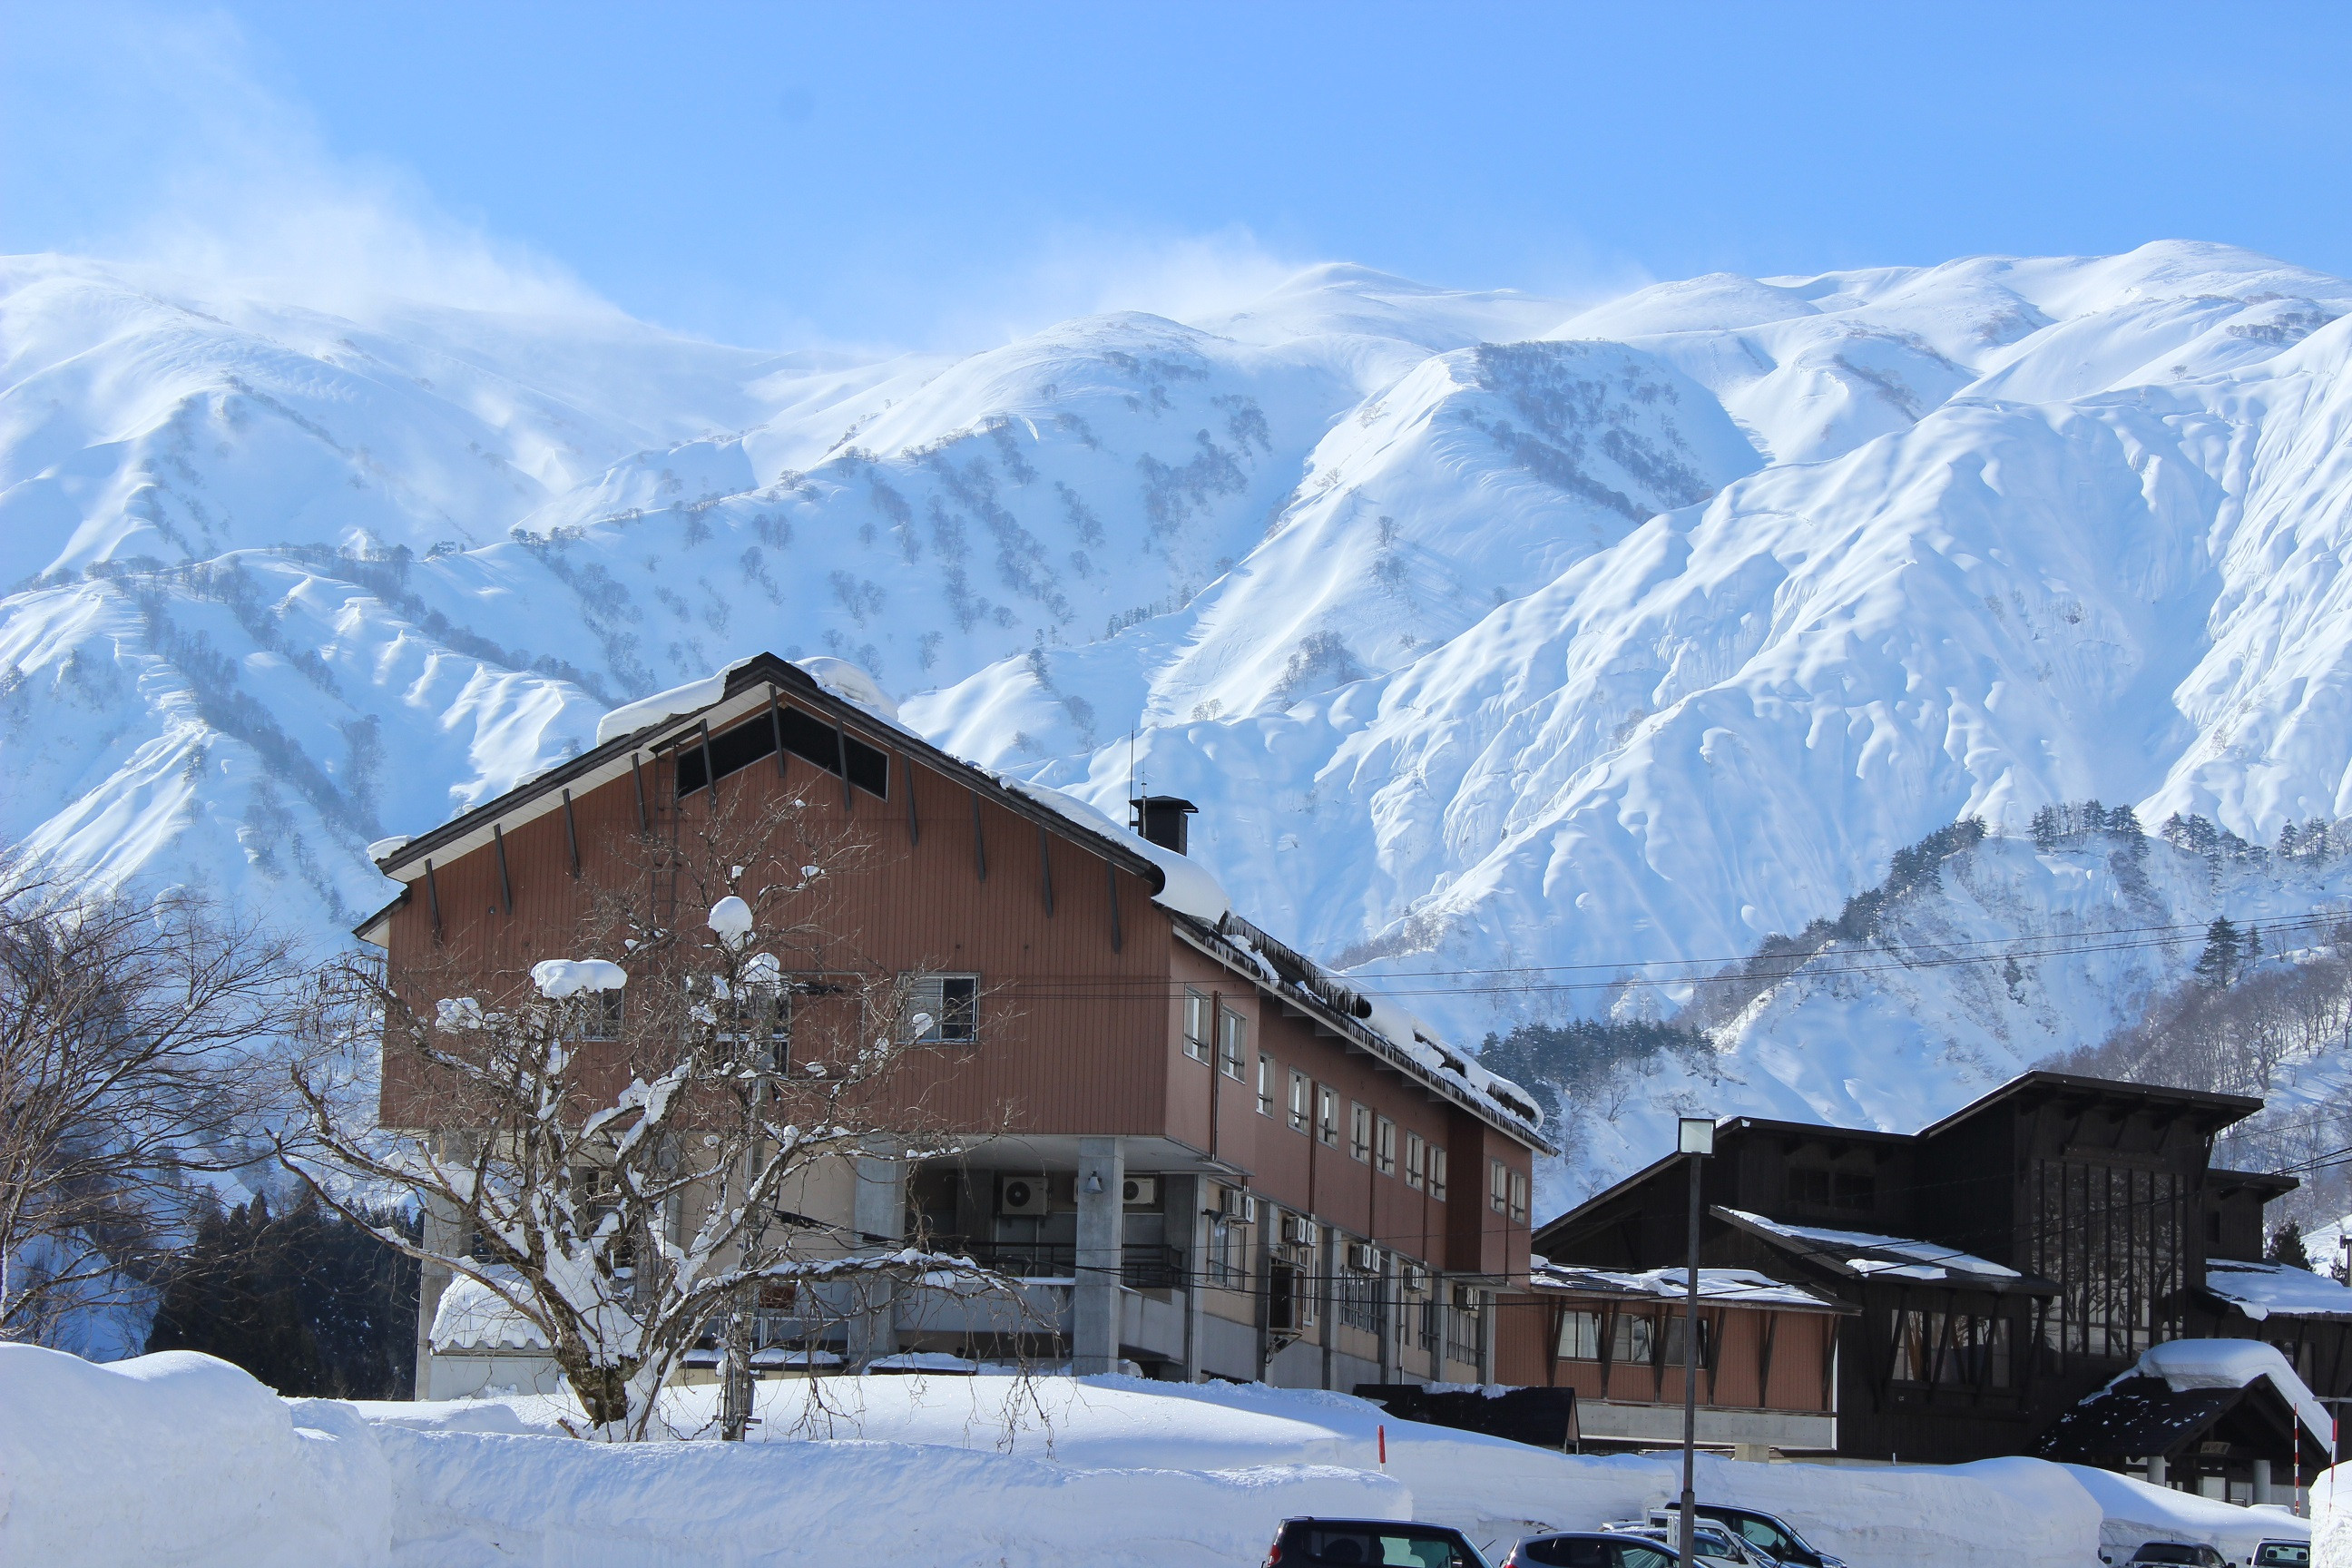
(136, 1052)
(625, 1138)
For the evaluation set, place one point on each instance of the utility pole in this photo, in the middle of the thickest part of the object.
(1695, 1142)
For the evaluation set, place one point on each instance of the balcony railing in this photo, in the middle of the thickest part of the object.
(1140, 1268)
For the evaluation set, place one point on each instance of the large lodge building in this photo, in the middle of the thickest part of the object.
(1204, 1157)
(1212, 1159)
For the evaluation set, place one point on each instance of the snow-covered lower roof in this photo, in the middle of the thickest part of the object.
(1722, 1286)
(473, 1317)
(2234, 1363)
(1868, 1256)
(2260, 1290)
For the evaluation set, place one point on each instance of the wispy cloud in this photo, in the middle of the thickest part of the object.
(240, 190)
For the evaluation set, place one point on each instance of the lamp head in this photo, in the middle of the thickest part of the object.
(1696, 1135)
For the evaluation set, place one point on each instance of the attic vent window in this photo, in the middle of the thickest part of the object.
(1845, 1191)
(807, 737)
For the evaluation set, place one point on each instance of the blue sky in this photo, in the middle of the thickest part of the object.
(936, 175)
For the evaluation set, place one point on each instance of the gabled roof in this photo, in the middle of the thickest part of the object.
(739, 693)
(2213, 1110)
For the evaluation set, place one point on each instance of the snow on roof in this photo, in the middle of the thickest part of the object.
(473, 1317)
(694, 696)
(852, 683)
(1871, 1256)
(2259, 1289)
(1189, 889)
(1730, 1287)
(2234, 1363)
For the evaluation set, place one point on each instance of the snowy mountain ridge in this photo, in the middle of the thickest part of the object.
(1501, 643)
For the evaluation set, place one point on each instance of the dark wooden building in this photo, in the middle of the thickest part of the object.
(2005, 1262)
(1227, 1161)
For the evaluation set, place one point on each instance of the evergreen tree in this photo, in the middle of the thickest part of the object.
(2045, 828)
(306, 1301)
(2217, 966)
(2287, 1247)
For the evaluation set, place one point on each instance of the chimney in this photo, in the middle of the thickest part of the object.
(1160, 819)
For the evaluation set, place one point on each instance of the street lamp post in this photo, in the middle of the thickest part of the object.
(1694, 1142)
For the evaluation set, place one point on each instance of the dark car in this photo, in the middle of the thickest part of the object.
(1768, 1534)
(1370, 1543)
(1588, 1549)
(2281, 1554)
(2180, 1554)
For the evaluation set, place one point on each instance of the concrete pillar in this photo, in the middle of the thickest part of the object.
(1391, 1314)
(2262, 1480)
(1327, 1288)
(1443, 1319)
(1196, 1265)
(1485, 1336)
(878, 1210)
(442, 1233)
(2155, 1471)
(2214, 1486)
(1102, 1217)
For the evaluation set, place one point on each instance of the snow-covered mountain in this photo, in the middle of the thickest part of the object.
(1510, 650)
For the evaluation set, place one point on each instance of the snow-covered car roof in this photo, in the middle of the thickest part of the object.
(1865, 1255)
(2263, 1290)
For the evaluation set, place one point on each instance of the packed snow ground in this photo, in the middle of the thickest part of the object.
(1510, 652)
(181, 1458)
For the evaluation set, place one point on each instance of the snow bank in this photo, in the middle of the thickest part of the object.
(2136, 1511)
(2331, 1519)
(180, 1458)
(468, 1498)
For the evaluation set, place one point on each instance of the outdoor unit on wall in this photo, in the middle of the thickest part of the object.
(1416, 1278)
(1298, 1230)
(1363, 1257)
(1021, 1195)
(1140, 1192)
(1235, 1203)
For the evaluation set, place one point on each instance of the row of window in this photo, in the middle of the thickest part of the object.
(941, 1009)
(1313, 1109)
(1631, 1338)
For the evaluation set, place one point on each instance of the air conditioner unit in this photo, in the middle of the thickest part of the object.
(1363, 1257)
(1235, 1203)
(1021, 1195)
(1298, 1230)
(1140, 1192)
(1416, 1278)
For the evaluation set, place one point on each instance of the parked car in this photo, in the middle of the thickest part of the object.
(1766, 1532)
(2281, 1554)
(2180, 1554)
(1370, 1543)
(1714, 1543)
(1589, 1549)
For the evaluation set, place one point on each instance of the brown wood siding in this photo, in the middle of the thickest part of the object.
(1528, 1335)
(1081, 1017)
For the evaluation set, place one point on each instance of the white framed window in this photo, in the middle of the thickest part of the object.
(1580, 1336)
(1327, 1114)
(1232, 1044)
(943, 1009)
(1384, 1148)
(1359, 1131)
(1416, 1162)
(596, 1014)
(1196, 1025)
(1437, 1173)
(1302, 1103)
(1268, 1078)
(1498, 1186)
(1518, 1198)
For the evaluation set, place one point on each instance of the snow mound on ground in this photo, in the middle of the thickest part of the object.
(180, 1458)
(2136, 1512)
(465, 1498)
